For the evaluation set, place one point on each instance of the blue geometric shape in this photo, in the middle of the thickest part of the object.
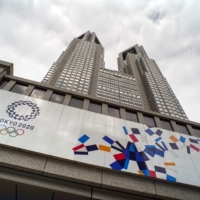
(151, 153)
(160, 146)
(131, 148)
(173, 146)
(160, 169)
(164, 145)
(122, 162)
(150, 150)
(160, 153)
(83, 138)
(139, 158)
(92, 147)
(150, 146)
(125, 130)
(188, 149)
(126, 153)
(118, 149)
(115, 165)
(135, 148)
(182, 139)
(120, 145)
(126, 164)
(145, 172)
(135, 131)
(149, 131)
(193, 141)
(142, 166)
(143, 155)
(159, 132)
(170, 178)
(132, 156)
(81, 152)
(108, 140)
(158, 139)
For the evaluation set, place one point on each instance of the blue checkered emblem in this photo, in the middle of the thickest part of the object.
(35, 111)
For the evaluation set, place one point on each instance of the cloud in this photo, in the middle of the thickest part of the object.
(34, 34)
(156, 16)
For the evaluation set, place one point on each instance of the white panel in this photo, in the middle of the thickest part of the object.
(96, 139)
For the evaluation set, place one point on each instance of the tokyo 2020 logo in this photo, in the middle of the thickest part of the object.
(11, 110)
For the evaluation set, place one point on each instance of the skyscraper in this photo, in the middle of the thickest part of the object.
(78, 66)
(138, 81)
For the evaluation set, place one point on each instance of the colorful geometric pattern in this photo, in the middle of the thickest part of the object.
(83, 139)
(130, 152)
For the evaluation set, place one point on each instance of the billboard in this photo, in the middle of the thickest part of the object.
(74, 134)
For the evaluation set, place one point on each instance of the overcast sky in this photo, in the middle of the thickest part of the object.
(34, 33)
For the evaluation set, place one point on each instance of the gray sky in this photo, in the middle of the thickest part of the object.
(34, 33)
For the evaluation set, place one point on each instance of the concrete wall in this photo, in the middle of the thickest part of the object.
(32, 169)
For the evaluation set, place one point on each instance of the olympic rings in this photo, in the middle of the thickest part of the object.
(3, 130)
(12, 131)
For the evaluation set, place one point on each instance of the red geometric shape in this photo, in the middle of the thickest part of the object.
(133, 138)
(152, 174)
(119, 156)
(195, 148)
(78, 147)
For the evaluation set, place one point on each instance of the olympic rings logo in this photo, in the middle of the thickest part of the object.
(11, 131)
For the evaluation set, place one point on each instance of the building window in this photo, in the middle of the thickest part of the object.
(149, 121)
(3, 83)
(38, 93)
(182, 129)
(197, 131)
(113, 111)
(57, 98)
(18, 88)
(131, 116)
(76, 102)
(95, 107)
(166, 125)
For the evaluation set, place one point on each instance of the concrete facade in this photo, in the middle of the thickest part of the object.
(21, 168)
(67, 178)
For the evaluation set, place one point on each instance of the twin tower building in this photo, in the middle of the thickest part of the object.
(138, 81)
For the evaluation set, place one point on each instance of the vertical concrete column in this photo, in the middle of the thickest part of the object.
(104, 108)
(158, 122)
(9, 85)
(174, 126)
(28, 90)
(134, 69)
(93, 37)
(190, 129)
(1, 70)
(122, 113)
(95, 71)
(2, 74)
(67, 99)
(86, 104)
(48, 94)
(86, 35)
(140, 117)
